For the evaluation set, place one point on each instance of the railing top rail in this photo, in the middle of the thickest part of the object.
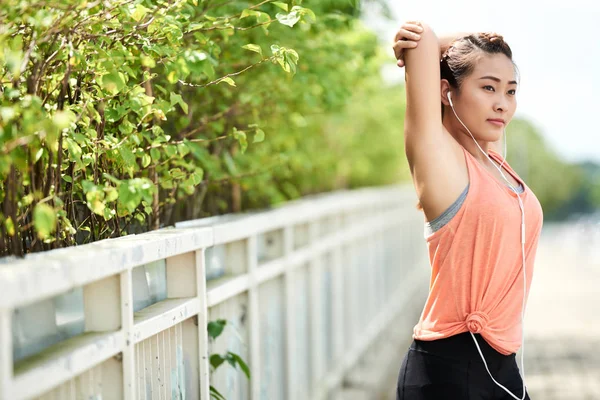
(42, 275)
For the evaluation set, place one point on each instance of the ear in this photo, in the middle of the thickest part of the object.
(444, 89)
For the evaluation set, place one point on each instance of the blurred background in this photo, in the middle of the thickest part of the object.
(132, 116)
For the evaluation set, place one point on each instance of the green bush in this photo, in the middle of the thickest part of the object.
(123, 116)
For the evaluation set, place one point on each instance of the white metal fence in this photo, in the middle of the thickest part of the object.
(306, 288)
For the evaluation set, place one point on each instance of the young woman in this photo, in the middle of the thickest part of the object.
(482, 222)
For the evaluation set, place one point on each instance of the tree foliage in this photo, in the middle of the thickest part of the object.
(127, 115)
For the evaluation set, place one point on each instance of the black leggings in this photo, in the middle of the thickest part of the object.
(452, 369)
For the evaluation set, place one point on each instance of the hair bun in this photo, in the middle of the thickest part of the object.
(491, 37)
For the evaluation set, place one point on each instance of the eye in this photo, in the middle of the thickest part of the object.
(488, 86)
(512, 91)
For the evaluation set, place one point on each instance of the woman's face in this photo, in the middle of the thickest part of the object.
(488, 93)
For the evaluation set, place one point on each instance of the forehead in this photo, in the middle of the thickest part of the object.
(497, 65)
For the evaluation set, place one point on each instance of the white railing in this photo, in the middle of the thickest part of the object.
(305, 288)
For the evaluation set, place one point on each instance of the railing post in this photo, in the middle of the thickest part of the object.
(315, 307)
(290, 319)
(255, 356)
(202, 325)
(183, 282)
(103, 307)
(6, 359)
(337, 288)
(129, 378)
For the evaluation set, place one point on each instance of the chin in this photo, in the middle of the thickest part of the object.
(487, 136)
(491, 135)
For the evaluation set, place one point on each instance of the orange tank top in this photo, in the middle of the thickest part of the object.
(476, 260)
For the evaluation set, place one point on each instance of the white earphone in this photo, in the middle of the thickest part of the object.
(523, 258)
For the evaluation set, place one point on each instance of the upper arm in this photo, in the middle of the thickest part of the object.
(423, 120)
(434, 159)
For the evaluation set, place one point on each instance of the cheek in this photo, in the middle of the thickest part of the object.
(512, 108)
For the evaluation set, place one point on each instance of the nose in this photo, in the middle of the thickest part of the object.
(501, 104)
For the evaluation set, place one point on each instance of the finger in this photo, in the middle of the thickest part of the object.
(412, 27)
(413, 21)
(400, 63)
(406, 34)
(398, 50)
(400, 46)
(404, 44)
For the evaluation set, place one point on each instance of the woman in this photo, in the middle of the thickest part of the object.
(482, 222)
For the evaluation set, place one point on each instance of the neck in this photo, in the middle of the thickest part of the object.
(462, 136)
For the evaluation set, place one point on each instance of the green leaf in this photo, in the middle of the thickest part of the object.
(146, 160)
(129, 196)
(228, 80)
(148, 62)
(10, 226)
(197, 176)
(253, 47)
(127, 156)
(216, 360)
(215, 328)
(63, 119)
(170, 150)
(262, 18)
(155, 153)
(39, 154)
(74, 150)
(183, 149)
(112, 82)
(244, 367)
(94, 196)
(177, 173)
(44, 220)
(230, 360)
(306, 11)
(139, 13)
(177, 99)
(111, 194)
(108, 213)
(259, 136)
(247, 13)
(214, 393)
(281, 5)
(111, 178)
(240, 136)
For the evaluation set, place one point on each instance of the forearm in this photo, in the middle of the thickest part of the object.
(445, 40)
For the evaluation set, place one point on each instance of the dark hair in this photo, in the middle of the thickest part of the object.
(459, 60)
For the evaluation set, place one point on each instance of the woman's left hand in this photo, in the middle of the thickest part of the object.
(406, 38)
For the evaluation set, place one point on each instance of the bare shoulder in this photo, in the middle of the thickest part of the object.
(439, 173)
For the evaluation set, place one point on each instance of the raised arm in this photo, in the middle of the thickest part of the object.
(445, 40)
(423, 120)
(436, 164)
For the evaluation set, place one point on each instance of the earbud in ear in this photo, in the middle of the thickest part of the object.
(450, 99)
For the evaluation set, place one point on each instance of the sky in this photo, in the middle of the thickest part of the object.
(556, 46)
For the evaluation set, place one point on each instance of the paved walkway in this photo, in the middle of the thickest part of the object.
(562, 322)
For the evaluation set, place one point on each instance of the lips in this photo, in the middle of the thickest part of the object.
(498, 122)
